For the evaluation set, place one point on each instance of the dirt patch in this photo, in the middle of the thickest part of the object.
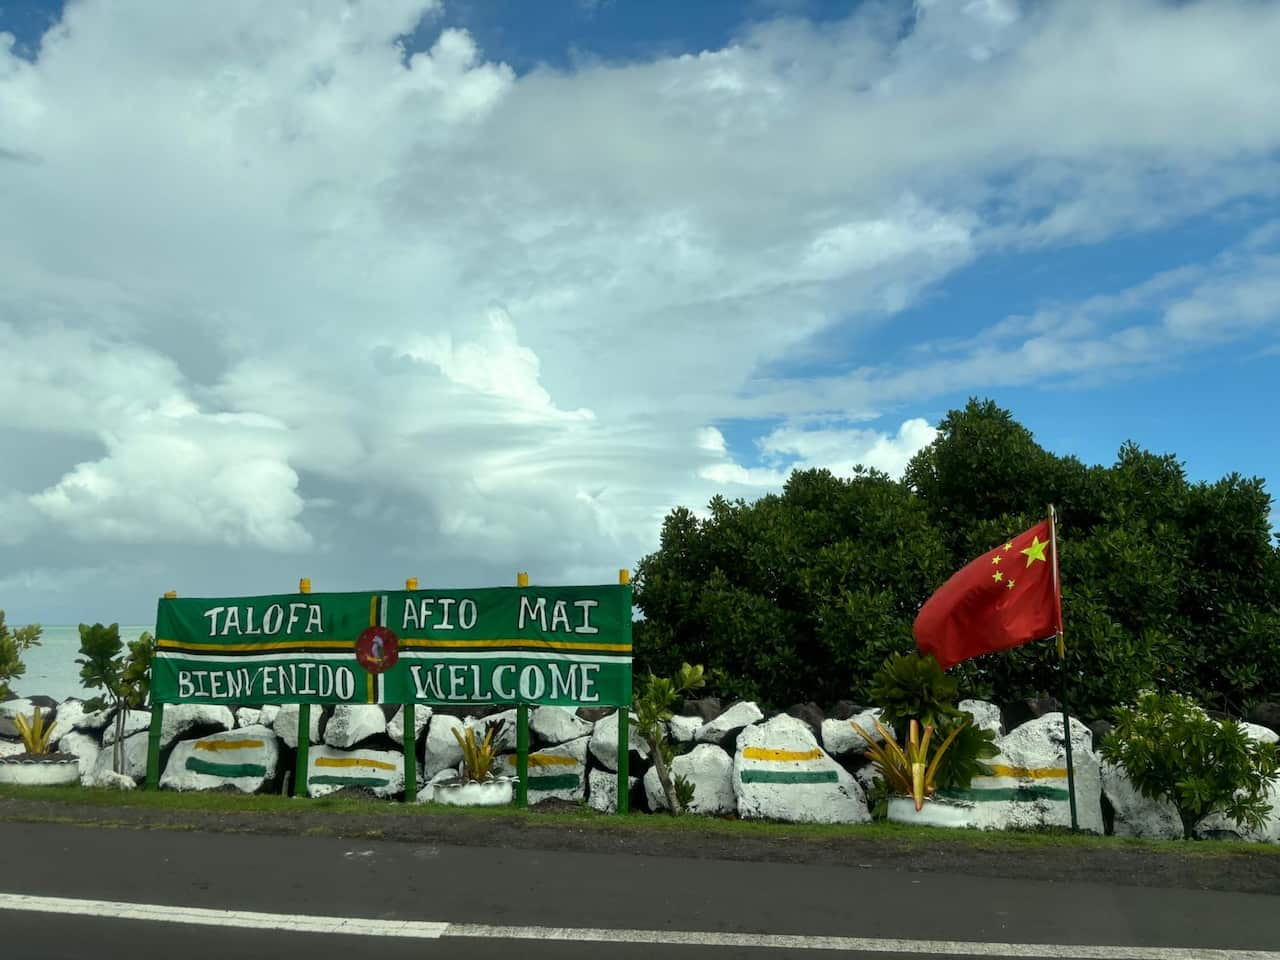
(1200, 867)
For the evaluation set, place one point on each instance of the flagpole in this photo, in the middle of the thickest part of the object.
(1062, 661)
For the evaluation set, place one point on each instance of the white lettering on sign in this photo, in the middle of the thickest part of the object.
(243, 621)
(586, 606)
(466, 613)
(185, 687)
(530, 611)
(506, 693)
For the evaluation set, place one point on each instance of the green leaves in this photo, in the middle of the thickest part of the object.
(1169, 747)
(101, 665)
(911, 687)
(13, 643)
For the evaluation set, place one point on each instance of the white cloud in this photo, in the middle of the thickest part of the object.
(306, 291)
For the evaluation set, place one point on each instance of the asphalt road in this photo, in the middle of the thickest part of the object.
(552, 890)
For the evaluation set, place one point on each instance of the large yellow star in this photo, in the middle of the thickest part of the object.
(1035, 551)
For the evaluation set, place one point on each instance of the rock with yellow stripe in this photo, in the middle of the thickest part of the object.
(780, 773)
(555, 773)
(246, 759)
(330, 769)
(1028, 788)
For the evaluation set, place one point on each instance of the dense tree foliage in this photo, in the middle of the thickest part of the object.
(803, 594)
(13, 643)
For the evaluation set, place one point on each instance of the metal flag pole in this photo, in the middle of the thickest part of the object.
(1062, 667)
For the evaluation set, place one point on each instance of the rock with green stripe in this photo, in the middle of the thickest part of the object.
(555, 773)
(709, 770)
(1029, 786)
(781, 773)
(379, 771)
(247, 759)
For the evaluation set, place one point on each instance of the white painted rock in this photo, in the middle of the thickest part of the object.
(11, 709)
(1216, 825)
(70, 712)
(134, 721)
(986, 716)
(267, 715)
(354, 723)
(555, 773)
(1029, 788)
(249, 717)
(839, 736)
(867, 775)
(604, 741)
(93, 722)
(728, 723)
(443, 752)
(285, 725)
(506, 740)
(780, 773)
(84, 748)
(135, 758)
(11, 748)
(1135, 815)
(602, 790)
(684, 729)
(328, 770)
(395, 727)
(709, 769)
(244, 758)
(180, 718)
(1255, 731)
(554, 725)
(110, 780)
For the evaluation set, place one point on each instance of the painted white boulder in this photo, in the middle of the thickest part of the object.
(602, 790)
(555, 773)
(986, 716)
(684, 729)
(111, 780)
(395, 726)
(135, 758)
(1256, 731)
(9, 712)
(839, 737)
(134, 722)
(329, 770)
(45, 773)
(285, 725)
(1217, 826)
(11, 748)
(1135, 815)
(354, 723)
(267, 714)
(181, 718)
(442, 750)
(93, 721)
(506, 739)
(780, 773)
(604, 741)
(720, 729)
(70, 712)
(553, 725)
(248, 717)
(1028, 788)
(867, 775)
(245, 758)
(709, 769)
(84, 748)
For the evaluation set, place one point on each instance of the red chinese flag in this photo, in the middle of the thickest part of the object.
(1003, 599)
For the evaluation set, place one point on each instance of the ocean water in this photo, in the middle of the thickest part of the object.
(51, 667)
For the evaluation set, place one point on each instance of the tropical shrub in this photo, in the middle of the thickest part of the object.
(13, 643)
(34, 732)
(912, 772)
(1169, 747)
(478, 754)
(125, 680)
(654, 704)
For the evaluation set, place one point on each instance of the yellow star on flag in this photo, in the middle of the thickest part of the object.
(1035, 551)
(1009, 585)
(996, 559)
(997, 576)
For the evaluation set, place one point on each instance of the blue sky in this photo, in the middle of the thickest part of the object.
(450, 290)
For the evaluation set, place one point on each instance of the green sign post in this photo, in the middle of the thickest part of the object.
(522, 646)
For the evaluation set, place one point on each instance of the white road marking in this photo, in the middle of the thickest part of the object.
(427, 930)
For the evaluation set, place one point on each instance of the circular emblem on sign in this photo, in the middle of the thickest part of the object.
(377, 649)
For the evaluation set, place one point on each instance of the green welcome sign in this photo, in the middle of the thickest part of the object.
(562, 646)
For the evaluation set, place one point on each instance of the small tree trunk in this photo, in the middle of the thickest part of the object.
(117, 751)
(1189, 821)
(664, 777)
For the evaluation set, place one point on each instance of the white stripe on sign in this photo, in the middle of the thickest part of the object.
(427, 930)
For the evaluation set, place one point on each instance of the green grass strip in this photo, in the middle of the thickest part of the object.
(564, 781)
(788, 776)
(228, 770)
(328, 778)
(1027, 794)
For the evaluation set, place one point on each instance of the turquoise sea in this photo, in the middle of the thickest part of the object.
(51, 667)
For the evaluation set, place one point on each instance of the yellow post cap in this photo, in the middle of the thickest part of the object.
(304, 585)
(624, 577)
(522, 579)
(411, 583)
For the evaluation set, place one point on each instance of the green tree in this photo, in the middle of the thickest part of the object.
(124, 679)
(13, 643)
(1170, 748)
(654, 705)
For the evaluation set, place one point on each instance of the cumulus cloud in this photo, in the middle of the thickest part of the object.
(302, 290)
